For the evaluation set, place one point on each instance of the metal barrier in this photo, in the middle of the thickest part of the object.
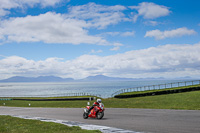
(5, 99)
(157, 87)
(57, 95)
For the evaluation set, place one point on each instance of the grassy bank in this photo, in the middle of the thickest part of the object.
(159, 90)
(186, 100)
(10, 124)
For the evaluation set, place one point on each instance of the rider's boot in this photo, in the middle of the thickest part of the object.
(87, 112)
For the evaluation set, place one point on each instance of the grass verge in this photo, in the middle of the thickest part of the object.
(185, 101)
(10, 124)
(159, 90)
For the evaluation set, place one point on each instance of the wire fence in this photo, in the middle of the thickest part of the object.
(157, 87)
(56, 95)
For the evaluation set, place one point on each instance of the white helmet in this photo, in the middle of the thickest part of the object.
(99, 100)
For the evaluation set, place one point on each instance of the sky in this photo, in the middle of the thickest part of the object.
(116, 38)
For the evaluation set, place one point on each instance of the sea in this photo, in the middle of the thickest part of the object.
(104, 89)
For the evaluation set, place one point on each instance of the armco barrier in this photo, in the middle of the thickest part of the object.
(57, 95)
(159, 92)
(5, 99)
(158, 87)
(58, 99)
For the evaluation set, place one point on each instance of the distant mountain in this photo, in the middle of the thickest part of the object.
(186, 77)
(37, 79)
(58, 79)
(104, 78)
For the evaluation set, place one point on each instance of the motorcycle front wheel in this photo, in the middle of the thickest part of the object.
(85, 116)
(100, 115)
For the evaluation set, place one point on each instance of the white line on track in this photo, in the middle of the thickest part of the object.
(103, 129)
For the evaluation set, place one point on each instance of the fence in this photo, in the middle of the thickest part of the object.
(57, 95)
(157, 87)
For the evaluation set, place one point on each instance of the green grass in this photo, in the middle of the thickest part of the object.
(62, 104)
(149, 91)
(10, 124)
(186, 100)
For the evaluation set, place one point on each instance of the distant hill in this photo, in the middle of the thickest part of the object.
(37, 79)
(59, 79)
(104, 78)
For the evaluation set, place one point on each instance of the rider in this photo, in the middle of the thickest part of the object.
(94, 104)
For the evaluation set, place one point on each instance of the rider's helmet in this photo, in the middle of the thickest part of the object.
(99, 100)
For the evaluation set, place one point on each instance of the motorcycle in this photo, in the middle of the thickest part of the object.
(96, 112)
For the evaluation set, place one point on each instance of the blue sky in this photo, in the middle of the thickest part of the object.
(117, 38)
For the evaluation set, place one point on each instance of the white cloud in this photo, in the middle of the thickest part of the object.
(95, 51)
(150, 10)
(167, 61)
(99, 16)
(169, 33)
(115, 48)
(111, 33)
(117, 44)
(152, 23)
(124, 34)
(3, 12)
(72, 27)
(132, 33)
(6, 5)
(49, 28)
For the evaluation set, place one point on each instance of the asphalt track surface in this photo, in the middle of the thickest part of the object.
(139, 120)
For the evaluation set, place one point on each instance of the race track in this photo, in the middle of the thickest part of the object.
(139, 120)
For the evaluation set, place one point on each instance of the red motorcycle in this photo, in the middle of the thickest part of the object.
(96, 112)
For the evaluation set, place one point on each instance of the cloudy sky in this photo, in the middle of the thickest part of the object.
(116, 38)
